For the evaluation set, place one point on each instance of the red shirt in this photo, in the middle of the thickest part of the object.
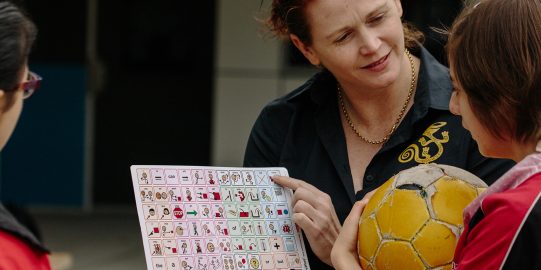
(503, 225)
(17, 255)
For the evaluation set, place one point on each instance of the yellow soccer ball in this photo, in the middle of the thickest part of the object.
(413, 221)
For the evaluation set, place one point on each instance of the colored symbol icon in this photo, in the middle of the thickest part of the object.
(194, 213)
(178, 213)
(254, 263)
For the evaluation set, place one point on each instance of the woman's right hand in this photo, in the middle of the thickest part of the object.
(315, 214)
(344, 254)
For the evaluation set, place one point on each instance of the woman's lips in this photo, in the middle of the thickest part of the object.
(378, 65)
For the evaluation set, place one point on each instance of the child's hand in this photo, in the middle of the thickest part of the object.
(344, 254)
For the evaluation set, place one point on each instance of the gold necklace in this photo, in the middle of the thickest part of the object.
(398, 119)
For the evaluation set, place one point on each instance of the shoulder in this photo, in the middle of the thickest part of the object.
(521, 211)
(434, 81)
(301, 99)
(290, 114)
(20, 255)
(515, 203)
(432, 65)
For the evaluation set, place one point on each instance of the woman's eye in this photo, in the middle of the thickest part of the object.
(376, 19)
(342, 38)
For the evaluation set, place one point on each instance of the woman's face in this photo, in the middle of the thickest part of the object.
(489, 145)
(360, 41)
(9, 113)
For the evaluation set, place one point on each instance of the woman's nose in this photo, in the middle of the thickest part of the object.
(370, 43)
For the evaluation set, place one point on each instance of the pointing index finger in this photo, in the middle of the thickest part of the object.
(285, 181)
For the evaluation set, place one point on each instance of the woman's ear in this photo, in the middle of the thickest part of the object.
(307, 51)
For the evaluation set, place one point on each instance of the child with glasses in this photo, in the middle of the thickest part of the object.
(19, 248)
(494, 51)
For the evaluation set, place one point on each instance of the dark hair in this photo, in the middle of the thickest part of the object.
(494, 49)
(17, 34)
(289, 17)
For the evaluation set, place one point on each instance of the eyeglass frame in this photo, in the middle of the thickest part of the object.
(31, 85)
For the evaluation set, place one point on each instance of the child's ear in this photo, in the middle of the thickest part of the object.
(3, 100)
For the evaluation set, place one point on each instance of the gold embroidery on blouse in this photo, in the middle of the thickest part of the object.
(427, 142)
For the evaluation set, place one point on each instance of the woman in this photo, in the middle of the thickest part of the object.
(497, 94)
(379, 105)
(19, 248)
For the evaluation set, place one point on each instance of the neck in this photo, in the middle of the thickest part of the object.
(374, 108)
(520, 150)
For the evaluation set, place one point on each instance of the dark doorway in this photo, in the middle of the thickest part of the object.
(155, 105)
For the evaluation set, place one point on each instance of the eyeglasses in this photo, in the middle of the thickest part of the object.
(33, 81)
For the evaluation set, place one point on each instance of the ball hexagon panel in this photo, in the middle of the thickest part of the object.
(402, 214)
(452, 196)
(398, 255)
(435, 243)
(371, 238)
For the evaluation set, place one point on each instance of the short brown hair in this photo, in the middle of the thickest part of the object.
(289, 17)
(18, 35)
(494, 49)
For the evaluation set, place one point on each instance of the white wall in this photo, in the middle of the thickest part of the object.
(249, 73)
